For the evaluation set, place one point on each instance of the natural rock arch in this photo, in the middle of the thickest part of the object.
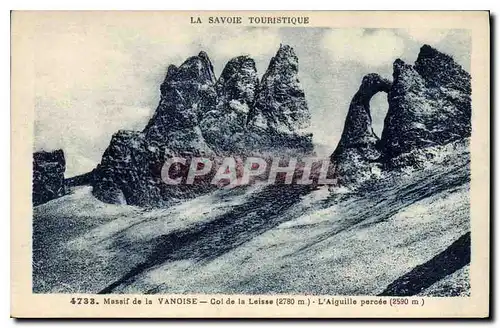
(429, 105)
(358, 131)
(358, 147)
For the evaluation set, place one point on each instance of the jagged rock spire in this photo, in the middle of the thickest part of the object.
(186, 94)
(429, 104)
(280, 111)
(439, 69)
(224, 126)
(238, 81)
(280, 104)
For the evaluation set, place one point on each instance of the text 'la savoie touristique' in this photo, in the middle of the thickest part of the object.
(252, 20)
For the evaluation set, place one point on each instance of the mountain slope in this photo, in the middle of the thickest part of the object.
(258, 239)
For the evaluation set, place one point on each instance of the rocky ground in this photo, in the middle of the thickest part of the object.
(389, 234)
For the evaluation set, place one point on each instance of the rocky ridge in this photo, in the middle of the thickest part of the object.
(199, 115)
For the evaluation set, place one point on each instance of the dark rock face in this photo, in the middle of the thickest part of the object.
(186, 94)
(440, 70)
(429, 105)
(201, 116)
(358, 145)
(280, 114)
(48, 176)
(130, 170)
(224, 126)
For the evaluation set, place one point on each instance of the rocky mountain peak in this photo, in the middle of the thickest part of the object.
(285, 58)
(208, 65)
(402, 70)
(194, 69)
(439, 69)
(129, 172)
(186, 94)
(426, 51)
(238, 81)
(203, 55)
(224, 126)
(429, 103)
(280, 106)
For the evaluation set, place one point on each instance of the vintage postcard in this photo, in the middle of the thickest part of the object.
(250, 164)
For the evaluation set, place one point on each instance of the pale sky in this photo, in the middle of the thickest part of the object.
(94, 78)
